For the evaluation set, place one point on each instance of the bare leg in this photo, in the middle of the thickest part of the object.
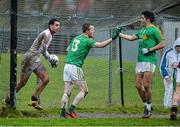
(147, 88)
(42, 74)
(23, 80)
(44, 79)
(25, 74)
(176, 99)
(176, 96)
(65, 98)
(147, 85)
(83, 92)
(21, 83)
(67, 92)
(140, 87)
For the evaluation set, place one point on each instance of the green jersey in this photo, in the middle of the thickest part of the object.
(78, 50)
(149, 37)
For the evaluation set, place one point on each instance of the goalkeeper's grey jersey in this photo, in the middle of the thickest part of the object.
(42, 40)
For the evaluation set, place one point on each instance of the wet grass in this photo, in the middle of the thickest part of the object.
(97, 101)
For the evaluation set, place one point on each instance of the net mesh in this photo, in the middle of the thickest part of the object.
(101, 67)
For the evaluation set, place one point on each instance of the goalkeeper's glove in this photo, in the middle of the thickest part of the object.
(116, 32)
(145, 51)
(51, 61)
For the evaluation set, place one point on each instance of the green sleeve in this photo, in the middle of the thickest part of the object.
(158, 36)
(137, 34)
(90, 43)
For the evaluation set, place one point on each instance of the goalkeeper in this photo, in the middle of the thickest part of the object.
(73, 74)
(150, 40)
(32, 63)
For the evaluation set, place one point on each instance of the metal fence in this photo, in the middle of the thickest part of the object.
(105, 66)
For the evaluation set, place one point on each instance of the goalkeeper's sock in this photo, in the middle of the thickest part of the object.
(72, 108)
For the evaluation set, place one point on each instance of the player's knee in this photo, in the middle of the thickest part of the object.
(22, 83)
(67, 94)
(147, 83)
(65, 97)
(147, 89)
(138, 81)
(85, 93)
(45, 81)
(138, 86)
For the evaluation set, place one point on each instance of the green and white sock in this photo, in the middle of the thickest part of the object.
(63, 111)
(148, 107)
(72, 108)
(145, 104)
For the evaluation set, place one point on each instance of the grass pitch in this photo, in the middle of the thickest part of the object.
(97, 101)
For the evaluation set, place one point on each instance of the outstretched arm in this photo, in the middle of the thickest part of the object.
(103, 43)
(128, 37)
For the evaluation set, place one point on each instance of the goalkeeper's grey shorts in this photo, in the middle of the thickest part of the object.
(29, 64)
(142, 67)
(73, 73)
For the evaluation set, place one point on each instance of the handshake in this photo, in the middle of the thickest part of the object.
(115, 32)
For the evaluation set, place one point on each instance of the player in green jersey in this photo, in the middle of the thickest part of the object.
(73, 74)
(150, 40)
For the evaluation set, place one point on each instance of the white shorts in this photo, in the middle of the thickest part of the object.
(142, 67)
(73, 73)
(178, 75)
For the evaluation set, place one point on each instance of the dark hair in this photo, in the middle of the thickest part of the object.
(85, 27)
(148, 15)
(51, 22)
(177, 46)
